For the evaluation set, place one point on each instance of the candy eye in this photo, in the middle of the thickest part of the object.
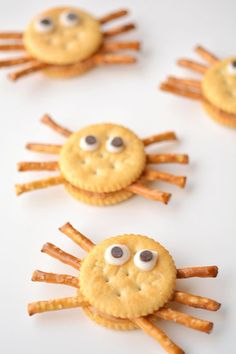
(44, 24)
(69, 19)
(89, 143)
(145, 259)
(232, 68)
(117, 254)
(115, 144)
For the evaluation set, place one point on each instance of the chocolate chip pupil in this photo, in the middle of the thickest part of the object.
(90, 139)
(117, 142)
(146, 256)
(234, 63)
(71, 16)
(117, 252)
(46, 21)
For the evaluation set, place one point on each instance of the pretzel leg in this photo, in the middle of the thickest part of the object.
(154, 194)
(113, 16)
(153, 331)
(114, 46)
(201, 272)
(101, 59)
(27, 71)
(188, 83)
(11, 47)
(77, 237)
(55, 278)
(46, 119)
(38, 166)
(15, 61)
(40, 184)
(53, 305)
(184, 319)
(153, 175)
(184, 92)
(205, 54)
(159, 138)
(62, 256)
(118, 30)
(45, 148)
(11, 35)
(196, 301)
(192, 65)
(167, 158)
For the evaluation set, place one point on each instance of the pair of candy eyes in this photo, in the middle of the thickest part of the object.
(231, 68)
(67, 19)
(118, 255)
(91, 143)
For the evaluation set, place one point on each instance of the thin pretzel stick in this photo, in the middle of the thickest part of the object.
(38, 166)
(45, 148)
(118, 30)
(180, 91)
(167, 158)
(184, 319)
(42, 183)
(159, 137)
(114, 46)
(15, 61)
(196, 301)
(53, 278)
(62, 256)
(201, 272)
(46, 119)
(205, 54)
(11, 35)
(53, 305)
(155, 332)
(77, 237)
(11, 47)
(27, 71)
(112, 16)
(100, 59)
(191, 83)
(154, 194)
(153, 175)
(194, 66)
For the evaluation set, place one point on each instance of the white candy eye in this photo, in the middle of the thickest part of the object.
(69, 19)
(117, 254)
(115, 144)
(89, 143)
(44, 24)
(232, 68)
(145, 259)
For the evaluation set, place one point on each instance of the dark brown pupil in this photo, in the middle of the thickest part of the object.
(46, 21)
(71, 16)
(234, 63)
(117, 142)
(90, 139)
(116, 252)
(146, 256)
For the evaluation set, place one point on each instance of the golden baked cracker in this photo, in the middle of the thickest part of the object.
(219, 115)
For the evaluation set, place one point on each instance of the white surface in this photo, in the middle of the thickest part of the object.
(198, 226)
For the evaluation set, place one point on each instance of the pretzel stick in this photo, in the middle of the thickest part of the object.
(184, 319)
(62, 256)
(196, 301)
(180, 91)
(38, 166)
(159, 137)
(153, 175)
(77, 237)
(112, 16)
(191, 83)
(46, 119)
(167, 158)
(155, 194)
(11, 47)
(114, 46)
(14, 61)
(118, 30)
(205, 54)
(45, 148)
(53, 305)
(155, 332)
(55, 278)
(42, 183)
(201, 272)
(193, 65)
(100, 59)
(27, 71)
(11, 35)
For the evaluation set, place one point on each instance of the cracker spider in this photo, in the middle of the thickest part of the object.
(216, 90)
(65, 42)
(126, 282)
(103, 164)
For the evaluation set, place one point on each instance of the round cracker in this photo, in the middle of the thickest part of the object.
(220, 116)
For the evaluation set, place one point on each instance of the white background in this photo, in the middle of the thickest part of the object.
(198, 226)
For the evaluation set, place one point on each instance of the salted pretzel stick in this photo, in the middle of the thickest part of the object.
(114, 46)
(155, 332)
(27, 71)
(11, 35)
(196, 301)
(192, 83)
(62, 256)
(201, 272)
(180, 91)
(77, 237)
(53, 305)
(53, 278)
(15, 61)
(194, 66)
(112, 16)
(45, 148)
(159, 137)
(153, 175)
(39, 184)
(118, 30)
(205, 54)
(46, 119)
(113, 59)
(184, 319)
(38, 166)
(167, 158)
(154, 194)
(11, 47)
